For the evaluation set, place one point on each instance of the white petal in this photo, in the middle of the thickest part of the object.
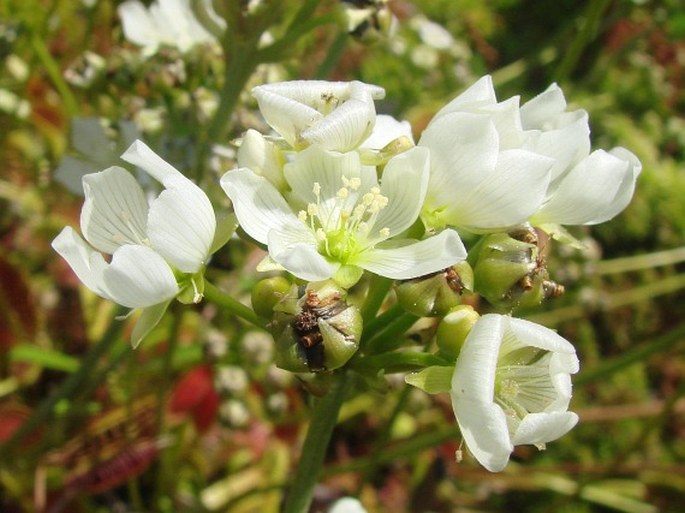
(181, 222)
(507, 120)
(89, 138)
(587, 193)
(567, 144)
(181, 228)
(262, 157)
(295, 249)
(455, 173)
(414, 259)
(348, 125)
(536, 335)
(540, 428)
(404, 183)
(347, 505)
(138, 277)
(138, 26)
(484, 428)
(474, 373)
(286, 116)
(480, 94)
(506, 198)
(70, 246)
(257, 204)
(115, 210)
(386, 130)
(539, 111)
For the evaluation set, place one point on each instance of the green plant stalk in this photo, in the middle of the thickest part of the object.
(71, 384)
(378, 289)
(391, 337)
(638, 262)
(234, 306)
(376, 325)
(55, 75)
(591, 20)
(324, 419)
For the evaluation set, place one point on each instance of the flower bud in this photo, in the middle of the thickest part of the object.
(322, 335)
(510, 272)
(433, 295)
(267, 293)
(454, 328)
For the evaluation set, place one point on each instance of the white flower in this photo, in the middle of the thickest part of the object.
(386, 130)
(512, 386)
(481, 177)
(165, 23)
(334, 115)
(148, 243)
(341, 218)
(347, 505)
(585, 188)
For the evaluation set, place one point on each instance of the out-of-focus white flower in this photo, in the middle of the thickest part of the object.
(96, 150)
(347, 505)
(481, 176)
(431, 33)
(585, 188)
(334, 115)
(512, 386)
(12, 104)
(166, 23)
(341, 218)
(149, 244)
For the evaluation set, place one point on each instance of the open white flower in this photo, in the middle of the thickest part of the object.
(334, 115)
(512, 386)
(166, 23)
(347, 505)
(149, 244)
(341, 218)
(585, 188)
(481, 176)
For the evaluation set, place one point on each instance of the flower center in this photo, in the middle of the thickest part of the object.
(134, 236)
(342, 224)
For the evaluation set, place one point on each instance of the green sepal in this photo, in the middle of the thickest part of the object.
(147, 321)
(225, 228)
(432, 380)
(561, 234)
(348, 275)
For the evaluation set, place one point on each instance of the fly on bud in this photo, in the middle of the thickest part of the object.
(320, 334)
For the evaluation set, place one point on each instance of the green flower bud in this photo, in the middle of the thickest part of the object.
(268, 293)
(454, 328)
(322, 335)
(433, 295)
(510, 271)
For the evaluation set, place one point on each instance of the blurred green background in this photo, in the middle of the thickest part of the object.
(198, 419)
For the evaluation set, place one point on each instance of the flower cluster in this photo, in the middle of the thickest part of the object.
(337, 191)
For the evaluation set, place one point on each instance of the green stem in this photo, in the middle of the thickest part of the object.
(377, 324)
(324, 419)
(396, 362)
(638, 262)
(378, 289)
(234, 306)
(589, 28)
(392, 336)
(55, 75)
(71, 385)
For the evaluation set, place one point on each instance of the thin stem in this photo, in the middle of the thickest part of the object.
(55, 75)
(638, 262)
(324, 419)
(396, 362)
(392, 336)
(378, 289)
(377, 324)
(234, 306)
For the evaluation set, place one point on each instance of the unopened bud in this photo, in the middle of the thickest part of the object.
(267, 293)
(454, 328)
(433, 295)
